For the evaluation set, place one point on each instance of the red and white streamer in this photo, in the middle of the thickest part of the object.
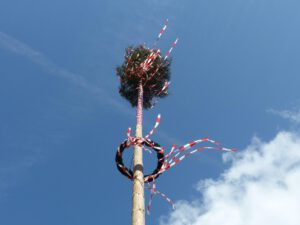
(177, 155)
(162, 31)
(157, 122)
(165, 87)
(174, 157)
(171, 49)
(147, 64)
(154, 191)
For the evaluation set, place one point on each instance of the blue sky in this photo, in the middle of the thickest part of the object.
(235, 70)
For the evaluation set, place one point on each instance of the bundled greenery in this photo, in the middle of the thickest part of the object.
(153, 79)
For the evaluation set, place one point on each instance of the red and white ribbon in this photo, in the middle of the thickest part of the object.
(157, 122)
(171, 49)
(138, 140)
(175, 156)
(154, 191)
(162, 31)
(164, 88)
(146, 65)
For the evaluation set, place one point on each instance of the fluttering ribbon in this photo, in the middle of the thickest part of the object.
(171, 49)
(147, 64)
(166, 161)
(153, 192)
(162, 31)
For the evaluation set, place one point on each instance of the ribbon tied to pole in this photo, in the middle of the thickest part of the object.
(164, 161)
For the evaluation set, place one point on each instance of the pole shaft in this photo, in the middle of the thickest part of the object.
(138, 199)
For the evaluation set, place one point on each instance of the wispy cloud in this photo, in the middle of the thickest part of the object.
(13, 45)
(17, 47)
(293, 116)
(260, 187)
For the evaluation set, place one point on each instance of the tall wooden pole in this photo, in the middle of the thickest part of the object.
(138, 199)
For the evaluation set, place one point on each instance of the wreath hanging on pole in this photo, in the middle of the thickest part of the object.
(128, 172)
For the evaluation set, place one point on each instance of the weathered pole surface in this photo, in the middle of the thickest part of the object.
(138, 198)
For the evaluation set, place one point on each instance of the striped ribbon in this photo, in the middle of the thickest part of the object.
(166, 57)
(177, 155)
(157, 122)
(147, 64)
(154, 191)
(162, 31)
(174, 157)
(171, 49)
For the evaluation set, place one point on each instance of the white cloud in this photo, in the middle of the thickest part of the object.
(262, 186)
(12, 171)
(293, 116)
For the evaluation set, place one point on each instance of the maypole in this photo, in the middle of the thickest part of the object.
(138, 197)
(144, 77)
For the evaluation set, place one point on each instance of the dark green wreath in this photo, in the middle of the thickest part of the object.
(131, 74)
